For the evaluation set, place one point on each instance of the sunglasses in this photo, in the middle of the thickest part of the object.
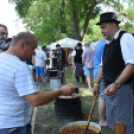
(2, 33)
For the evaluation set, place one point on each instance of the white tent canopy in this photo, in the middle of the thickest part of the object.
(66, 42)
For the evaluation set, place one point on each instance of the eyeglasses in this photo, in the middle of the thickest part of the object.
(2, 33)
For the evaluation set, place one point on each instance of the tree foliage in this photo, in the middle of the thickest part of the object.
(51, 20)
(128, 19)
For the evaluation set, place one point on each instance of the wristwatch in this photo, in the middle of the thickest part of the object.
(117, 85)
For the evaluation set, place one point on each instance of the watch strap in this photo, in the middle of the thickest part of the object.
(117, 85)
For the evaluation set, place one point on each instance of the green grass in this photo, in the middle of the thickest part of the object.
(48, 122)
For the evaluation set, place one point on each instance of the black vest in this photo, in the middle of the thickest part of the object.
(78, 58)
(113, 63)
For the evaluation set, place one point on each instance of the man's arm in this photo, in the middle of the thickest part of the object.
(99, 76)
(72, 60)
(60, 55)
(125, 75)
(97, 82)
(83, 60)
(33, 60)
(45, 58)
(53, 58)
(73, 64)
(37, 99)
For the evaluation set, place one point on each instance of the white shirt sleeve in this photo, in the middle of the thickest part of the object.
(127, 48)
(73, 53)
(101, 62)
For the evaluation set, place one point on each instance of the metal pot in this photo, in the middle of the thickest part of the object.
(94, 126)
(55, 83)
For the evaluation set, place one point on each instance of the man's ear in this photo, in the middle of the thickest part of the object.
(22, 46)
(114, 25)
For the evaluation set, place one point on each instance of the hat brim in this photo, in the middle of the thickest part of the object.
(117, 21)
(53, 49)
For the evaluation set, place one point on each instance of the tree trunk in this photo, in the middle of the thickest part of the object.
(63, 29)
(94, 3)
(75, 22)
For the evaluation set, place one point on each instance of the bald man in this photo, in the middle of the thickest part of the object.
(18, 91)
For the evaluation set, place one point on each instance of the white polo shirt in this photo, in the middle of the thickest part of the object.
(16, 81)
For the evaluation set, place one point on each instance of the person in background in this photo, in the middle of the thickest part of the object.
(70, 58)
(31, 66)
(5, 45)
(88, 63)
(117, 72)
(61, 57)
(29, 63)
(47, 60)
(53, 58)
(3, 32)
(102, 99)
(33, 70)
(77, 63)
(18, 91)
(40, 63)
(3, 36)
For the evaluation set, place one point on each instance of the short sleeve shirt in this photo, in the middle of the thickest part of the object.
(88, 55)
(73, 54)
(98, 55)
(16, 81)
(40, 58)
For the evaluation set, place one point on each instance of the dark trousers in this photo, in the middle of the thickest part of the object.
(83, 78)
(17, 130)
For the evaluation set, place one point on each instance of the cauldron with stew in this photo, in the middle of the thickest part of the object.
(78, 127)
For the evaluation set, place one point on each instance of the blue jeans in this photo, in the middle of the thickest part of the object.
(17, 130)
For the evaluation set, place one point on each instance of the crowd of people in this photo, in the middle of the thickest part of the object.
(110, 67)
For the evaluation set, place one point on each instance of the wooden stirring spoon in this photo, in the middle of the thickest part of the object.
(91, 112)
(119, 127)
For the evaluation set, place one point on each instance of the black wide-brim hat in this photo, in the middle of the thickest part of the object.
(108, 17)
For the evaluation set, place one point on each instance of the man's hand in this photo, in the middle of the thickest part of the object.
(96, 90)
(111, 90)
(68, 90)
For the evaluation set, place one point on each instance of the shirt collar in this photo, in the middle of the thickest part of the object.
(115, 36)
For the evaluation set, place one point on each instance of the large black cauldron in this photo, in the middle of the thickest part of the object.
(68, 108)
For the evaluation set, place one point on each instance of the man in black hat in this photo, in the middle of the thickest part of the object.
(117, 71)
